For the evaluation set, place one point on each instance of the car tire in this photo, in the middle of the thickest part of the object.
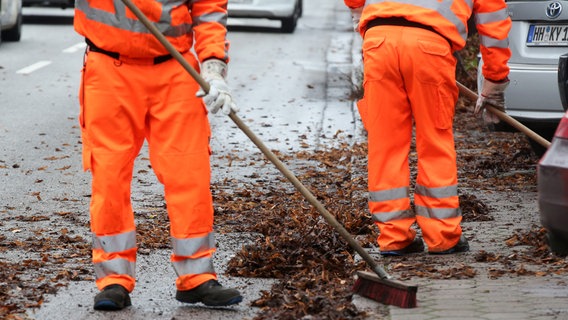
(557, 243)
(547, 134)
(14, 33)
(289, 23)
(537, 148)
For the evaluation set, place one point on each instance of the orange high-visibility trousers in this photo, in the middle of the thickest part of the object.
(409, 79)
(124, 103)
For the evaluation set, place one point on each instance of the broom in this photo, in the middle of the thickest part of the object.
(380, 287)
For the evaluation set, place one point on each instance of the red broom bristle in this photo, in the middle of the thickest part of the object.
(382, 292)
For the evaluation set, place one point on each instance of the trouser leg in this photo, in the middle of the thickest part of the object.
(178, 133)
(111, 120)
(386, 114)
(430, 81)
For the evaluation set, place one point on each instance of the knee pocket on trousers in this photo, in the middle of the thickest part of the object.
(445, 110)
(441, 106)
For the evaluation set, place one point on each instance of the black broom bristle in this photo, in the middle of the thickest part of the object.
(386, 291)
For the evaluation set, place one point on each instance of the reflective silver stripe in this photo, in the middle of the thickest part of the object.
(442, 7)
(218, 17)
(115, 266)
(490, 42)
(385, 217)
(118, 19)
(437, 213)
(194, 266)
(438, 192)
(490, 17)
(389, 194)
(116, 243)
(190, 246)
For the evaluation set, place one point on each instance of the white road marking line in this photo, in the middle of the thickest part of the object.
(33, 67)
(78, 47)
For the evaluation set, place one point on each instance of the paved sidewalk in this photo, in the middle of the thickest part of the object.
(482, 298)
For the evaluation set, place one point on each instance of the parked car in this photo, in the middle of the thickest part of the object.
(63, 4)
(287, 11)
(552, 178)
(553, 190)
(10, 20)
(539, 35)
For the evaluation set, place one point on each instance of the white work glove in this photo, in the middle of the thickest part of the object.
(356, 17)
(214, 72)
(494, 94)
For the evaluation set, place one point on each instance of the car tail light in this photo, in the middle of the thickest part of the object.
(562, 129)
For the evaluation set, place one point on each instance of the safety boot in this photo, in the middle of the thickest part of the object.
(210, 293)
(417, 245)
(461, 246)
(112, 297)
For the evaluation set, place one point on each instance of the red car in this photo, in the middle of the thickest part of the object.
(553, 177)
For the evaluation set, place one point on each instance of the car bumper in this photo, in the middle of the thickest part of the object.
(535, 117)
(11, 16)
(261, 9)
(532, 95)
(49, 3)
(552, 186)
(529, 102)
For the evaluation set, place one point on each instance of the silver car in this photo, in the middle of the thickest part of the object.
(10, 20)
(63, 4)
(287, 11)
(539, 35)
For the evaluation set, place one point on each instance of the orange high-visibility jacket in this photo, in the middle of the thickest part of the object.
(449, 18)
(111, 26)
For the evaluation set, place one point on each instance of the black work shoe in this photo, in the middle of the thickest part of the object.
(415, 246)
(112, 297)
(461, 246)
(210, 293)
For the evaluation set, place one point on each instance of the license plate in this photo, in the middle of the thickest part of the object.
(548, 35)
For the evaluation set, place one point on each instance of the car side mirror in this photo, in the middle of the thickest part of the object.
(563, 80)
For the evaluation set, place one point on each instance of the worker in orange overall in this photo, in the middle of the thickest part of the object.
(409, 81)
(133, 91)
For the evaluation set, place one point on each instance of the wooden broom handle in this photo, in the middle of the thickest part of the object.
(505, 117)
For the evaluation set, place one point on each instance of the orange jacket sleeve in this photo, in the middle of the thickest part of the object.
(210, 30)
(493, 25)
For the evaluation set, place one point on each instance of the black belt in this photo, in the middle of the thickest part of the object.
(398, 21)
(116, 55)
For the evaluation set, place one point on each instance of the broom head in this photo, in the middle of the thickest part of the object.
(385, 291)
